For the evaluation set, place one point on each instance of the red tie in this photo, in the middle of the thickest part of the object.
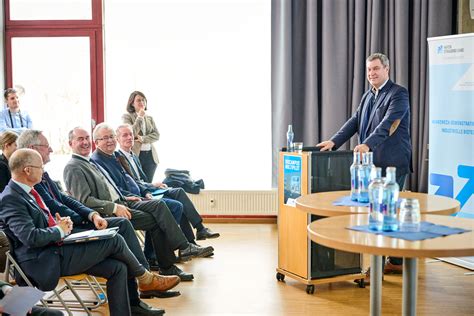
(39, 200)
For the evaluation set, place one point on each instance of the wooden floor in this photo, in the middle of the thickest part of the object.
(240, 280)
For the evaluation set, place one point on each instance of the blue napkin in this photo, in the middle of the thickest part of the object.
(427, 231)
(346, 201)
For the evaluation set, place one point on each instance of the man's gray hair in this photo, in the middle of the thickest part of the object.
(21, 159)
(117, 131)
(383, 59)
(70, 135)
(28, 138)
(99, 127)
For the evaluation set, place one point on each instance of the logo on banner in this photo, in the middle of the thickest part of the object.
(445, 184)
(448, 49)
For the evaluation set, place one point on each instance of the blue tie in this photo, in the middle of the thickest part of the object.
(369, 104)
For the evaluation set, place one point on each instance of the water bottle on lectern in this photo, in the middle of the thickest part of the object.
(355, 177)
(289, 139)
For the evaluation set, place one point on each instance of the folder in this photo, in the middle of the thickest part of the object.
(91, 235)
(158, 192)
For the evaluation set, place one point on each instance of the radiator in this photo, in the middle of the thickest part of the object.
(236, 203)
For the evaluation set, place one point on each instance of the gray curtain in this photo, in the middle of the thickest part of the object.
(319, 49)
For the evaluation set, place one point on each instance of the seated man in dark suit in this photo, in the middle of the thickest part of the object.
(35, 310)
(36, 237)
(85, 218)
(131, 164)
(93, 186)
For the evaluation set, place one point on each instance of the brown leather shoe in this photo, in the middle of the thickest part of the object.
(392, 268)
(160, 283)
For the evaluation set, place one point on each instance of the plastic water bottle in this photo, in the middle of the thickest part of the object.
(355, 177)
(289, 139)
(376, 188)
(364, 179)
(391, 191)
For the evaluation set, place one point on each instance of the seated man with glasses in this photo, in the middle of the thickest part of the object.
(36, 238)
(85, 219)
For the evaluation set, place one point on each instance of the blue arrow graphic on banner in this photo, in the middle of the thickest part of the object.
(466, 172)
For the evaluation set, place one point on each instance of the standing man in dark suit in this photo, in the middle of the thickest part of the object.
(85, 218)
(382, 121)
(36, 241)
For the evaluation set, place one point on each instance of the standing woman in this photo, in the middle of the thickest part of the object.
(8, 146)
(145, 132)
(12, 118)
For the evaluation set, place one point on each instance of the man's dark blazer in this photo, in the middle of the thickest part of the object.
(33, 242)
(58, 202)
(388, 130)
(5, 175)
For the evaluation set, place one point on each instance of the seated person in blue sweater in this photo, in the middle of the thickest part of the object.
(104, 155)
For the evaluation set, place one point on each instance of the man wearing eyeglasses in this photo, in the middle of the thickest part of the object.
(85, 218)
(92, 185)
(36, 239)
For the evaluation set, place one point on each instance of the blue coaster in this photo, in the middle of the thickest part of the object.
(346, 201)
(427, 231)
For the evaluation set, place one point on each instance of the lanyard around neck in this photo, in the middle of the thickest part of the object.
(11, 118)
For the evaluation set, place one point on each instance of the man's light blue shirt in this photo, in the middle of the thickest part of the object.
(15, 122)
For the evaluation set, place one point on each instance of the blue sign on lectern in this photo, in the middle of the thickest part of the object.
(292, 178)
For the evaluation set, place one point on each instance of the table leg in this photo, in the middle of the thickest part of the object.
(376, 285)
(410, 283)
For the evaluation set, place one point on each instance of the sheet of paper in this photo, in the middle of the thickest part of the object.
(20, 300)
(80, 234)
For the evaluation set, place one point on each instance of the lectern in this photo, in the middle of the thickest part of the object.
(298, 257)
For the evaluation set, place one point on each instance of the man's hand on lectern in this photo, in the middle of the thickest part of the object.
(362, 148)
(326, 145)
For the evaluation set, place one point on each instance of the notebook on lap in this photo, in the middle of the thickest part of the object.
(90, 235)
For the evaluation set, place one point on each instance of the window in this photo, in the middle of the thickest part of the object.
(204, 67)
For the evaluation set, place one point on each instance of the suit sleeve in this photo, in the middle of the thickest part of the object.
(348, 129)
(127, 118)
(397, 109)
(77, 185)
(16, 213)
(55, 206)
(151, 135)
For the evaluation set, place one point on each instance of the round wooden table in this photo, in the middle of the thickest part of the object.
(321, 204)
(332, 232)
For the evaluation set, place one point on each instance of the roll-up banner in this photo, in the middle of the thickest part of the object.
(451, 141)
(451, 127)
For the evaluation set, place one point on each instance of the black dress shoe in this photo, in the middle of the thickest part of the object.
(146, 310)
(206, 233)
(174, 270)
(159, 294)
(193, 251)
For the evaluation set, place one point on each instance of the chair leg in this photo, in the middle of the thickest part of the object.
(78, 297)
